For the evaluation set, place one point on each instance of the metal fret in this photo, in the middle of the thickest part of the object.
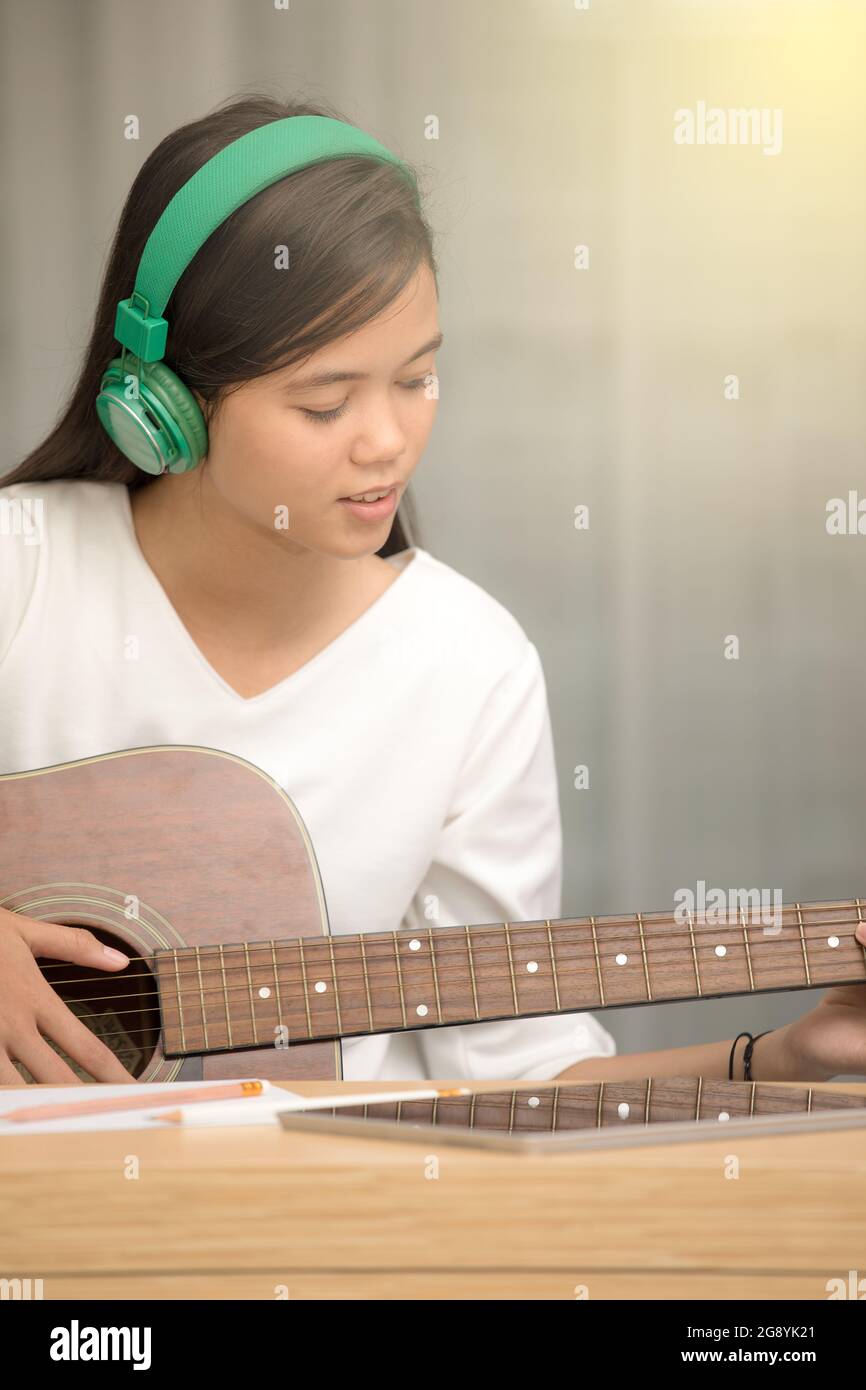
(511, 968)
(809, 1102)
(646, 1113)
(752, 1099)
(225, 994)
(472, 1111)
(366, 981)
(643, 953)
(597, 961)
(201, 996)
(553, 966)
(472, 972)
(250, 988)
(555, 1105)
(435, 1113)
(698, 1106)
(511, 1111)
(695, 955)
(277, 984)
(598, 1112)
(179, 1003)
(803, 944)
(336, 984)
(305, 984)
(399, 977)
(748, 952)
(435, 973)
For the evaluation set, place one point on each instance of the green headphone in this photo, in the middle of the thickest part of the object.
(152, 417)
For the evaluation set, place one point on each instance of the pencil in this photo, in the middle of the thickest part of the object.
(203, 1115)
(237, 1090)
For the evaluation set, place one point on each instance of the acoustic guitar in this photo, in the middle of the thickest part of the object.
(186, 857)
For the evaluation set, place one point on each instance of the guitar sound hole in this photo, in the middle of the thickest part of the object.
(122, 1009)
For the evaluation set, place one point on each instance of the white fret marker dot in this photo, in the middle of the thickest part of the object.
(723, 1115)
(832, 941)
(264, 992)
(721, 950)
(320, 986)
(623, 1110)
(621, 959)
(532, 966)
(533, 1101)
(422, 1010)
(414, 944)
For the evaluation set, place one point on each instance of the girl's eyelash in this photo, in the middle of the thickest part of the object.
(326, 416)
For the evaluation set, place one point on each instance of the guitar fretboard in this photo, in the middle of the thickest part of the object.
(282, 992)
(598, 1105)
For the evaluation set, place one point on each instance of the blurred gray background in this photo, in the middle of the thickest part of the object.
(602, 386)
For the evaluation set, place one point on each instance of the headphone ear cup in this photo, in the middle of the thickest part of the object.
(160, 428)
(183, 407)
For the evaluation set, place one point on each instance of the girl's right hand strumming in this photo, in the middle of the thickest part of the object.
(31, 1011)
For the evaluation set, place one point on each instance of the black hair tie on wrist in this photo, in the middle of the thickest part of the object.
(747, 1055)
(733, 1050)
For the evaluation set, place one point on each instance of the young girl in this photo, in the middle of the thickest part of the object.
(402, 708)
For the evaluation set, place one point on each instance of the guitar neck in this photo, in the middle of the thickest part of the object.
(606, 1104)
(305, 989)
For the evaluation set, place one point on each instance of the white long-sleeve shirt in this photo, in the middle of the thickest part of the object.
(416, 746)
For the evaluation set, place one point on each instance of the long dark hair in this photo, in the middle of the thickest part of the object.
(355, 238)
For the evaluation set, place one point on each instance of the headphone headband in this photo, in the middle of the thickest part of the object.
(230, 178)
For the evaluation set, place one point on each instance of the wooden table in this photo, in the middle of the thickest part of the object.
(261, 1213)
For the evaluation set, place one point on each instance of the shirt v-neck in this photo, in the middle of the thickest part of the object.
(405, 562)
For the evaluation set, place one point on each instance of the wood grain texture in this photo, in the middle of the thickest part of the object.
(234, 1214)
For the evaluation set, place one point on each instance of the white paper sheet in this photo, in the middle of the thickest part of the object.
(257, 1110)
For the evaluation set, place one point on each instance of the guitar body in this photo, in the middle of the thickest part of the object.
(160, 848)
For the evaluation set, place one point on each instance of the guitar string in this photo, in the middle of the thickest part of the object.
(441, 935)
(558, 927)
(290, 972)
(199, 957)
(347, 1004)
(220, 964)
